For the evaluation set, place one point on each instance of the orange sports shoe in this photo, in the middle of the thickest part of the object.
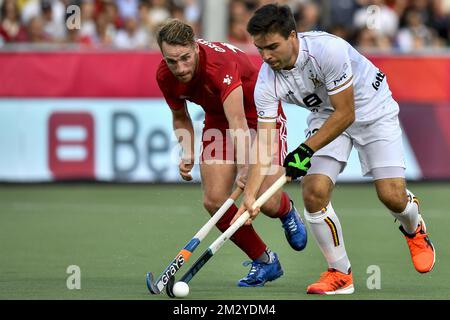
(422, 250)
(332, 282)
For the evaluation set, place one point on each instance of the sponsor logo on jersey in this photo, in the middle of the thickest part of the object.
(227, 79)
(290, 93)
(344, 76)
(261, 113)
(378, 80)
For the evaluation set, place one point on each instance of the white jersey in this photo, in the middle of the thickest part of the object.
(326, 65)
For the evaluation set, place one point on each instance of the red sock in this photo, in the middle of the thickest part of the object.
(285, 205)
(245, 237)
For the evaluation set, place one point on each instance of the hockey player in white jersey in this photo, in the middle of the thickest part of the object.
(351, 106)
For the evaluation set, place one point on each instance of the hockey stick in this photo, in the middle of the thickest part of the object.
(217, 244)
(156, 287)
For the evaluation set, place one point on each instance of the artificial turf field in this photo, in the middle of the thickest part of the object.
(116, 233)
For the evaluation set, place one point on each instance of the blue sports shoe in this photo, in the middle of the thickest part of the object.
(261, 272)
(294, 229)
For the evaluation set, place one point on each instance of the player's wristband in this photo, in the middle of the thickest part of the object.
(306, 149)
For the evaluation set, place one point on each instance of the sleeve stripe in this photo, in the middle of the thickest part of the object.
(342, 87)
(267, 119)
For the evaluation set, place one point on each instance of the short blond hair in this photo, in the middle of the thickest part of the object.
(176, 32)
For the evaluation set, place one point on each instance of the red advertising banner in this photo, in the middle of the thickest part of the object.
(79, 75)
(132, 75)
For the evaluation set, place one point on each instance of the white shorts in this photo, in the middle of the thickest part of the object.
(379, 143)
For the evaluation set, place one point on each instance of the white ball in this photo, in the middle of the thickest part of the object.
(180, 289)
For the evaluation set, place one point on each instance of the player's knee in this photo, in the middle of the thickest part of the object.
(315, 198)
(271, 207)
(395, 199)
(212, 204)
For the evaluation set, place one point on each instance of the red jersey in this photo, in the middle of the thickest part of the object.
(222, 68)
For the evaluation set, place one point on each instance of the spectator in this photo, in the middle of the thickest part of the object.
(132, 36)
(110, 11)
(377, 16)
(11, 29)
(308, 17)
(416, 35)
(399, 6)
(105, 31)
(158, 13)
(440, 18)
(88, 28)
(53, 14)
(341, 13)
(127, 8)
(238, 32)
(192, 11)
(239, 11)
(340, 30)
(21, 4)
(368, 40)
(237, 26)
(30, 9)
(35, 31)
(101, 18)
(177, 12)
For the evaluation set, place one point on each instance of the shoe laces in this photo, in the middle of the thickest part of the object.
(328, 276)
(420, 240)
(254, 270)
(332, 278)
(291, 225)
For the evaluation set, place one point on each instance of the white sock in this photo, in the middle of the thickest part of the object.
(327, 230)
(409, 218)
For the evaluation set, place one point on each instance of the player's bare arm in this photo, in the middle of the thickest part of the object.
(343, 116)
(184, 131)
(260, 162)
(234, 111)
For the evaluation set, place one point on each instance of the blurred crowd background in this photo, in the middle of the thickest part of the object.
(370, 25)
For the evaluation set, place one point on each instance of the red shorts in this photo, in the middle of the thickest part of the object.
(217, 144)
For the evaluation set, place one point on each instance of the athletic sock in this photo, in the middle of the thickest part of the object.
(285, 205)
(327, 231)
(267, 256)
(409, 218)
(245, 237)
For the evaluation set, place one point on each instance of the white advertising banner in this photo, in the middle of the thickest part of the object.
(123, 140)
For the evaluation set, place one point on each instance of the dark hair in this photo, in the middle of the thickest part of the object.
(272, 18)
(176, 32)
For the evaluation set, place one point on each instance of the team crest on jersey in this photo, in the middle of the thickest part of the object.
(316, 82)
(227, 79)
